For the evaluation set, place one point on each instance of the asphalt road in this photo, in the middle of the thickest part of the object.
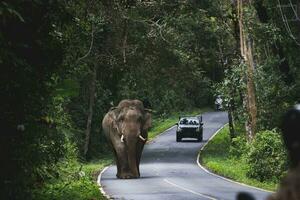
(169, 170)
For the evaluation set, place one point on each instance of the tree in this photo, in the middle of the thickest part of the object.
(246, 47)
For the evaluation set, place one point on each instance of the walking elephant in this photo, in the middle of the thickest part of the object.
(126, 128)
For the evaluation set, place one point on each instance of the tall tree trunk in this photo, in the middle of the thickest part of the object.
(251, 101)
(246, 46)
(235, 23)
(124, 42)
(230, 119)
(92, 90)
(230, 101)
(231, 109)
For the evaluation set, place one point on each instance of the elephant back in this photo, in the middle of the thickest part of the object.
(131, 103)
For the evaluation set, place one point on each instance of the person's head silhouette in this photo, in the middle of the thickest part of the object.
(289, 187)
(291, 134)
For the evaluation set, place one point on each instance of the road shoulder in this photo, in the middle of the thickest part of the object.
(200, 164)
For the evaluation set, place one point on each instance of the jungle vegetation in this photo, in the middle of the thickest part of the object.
(65, 63)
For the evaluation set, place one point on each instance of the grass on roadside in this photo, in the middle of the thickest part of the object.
(216, 158)
(77, 182)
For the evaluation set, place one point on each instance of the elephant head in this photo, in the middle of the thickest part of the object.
(126, 127)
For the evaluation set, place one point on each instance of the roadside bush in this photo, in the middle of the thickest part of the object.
(267, 157)
(239, 147)
(78, 188)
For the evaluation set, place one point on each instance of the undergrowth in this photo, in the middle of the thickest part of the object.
(221, 158)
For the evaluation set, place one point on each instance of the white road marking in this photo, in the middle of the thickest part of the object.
(156, 171)
(99, 183)
(188, 190)
(221, 177)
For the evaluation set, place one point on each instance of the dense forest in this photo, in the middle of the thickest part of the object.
(65, 63)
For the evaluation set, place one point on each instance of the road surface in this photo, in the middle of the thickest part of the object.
(169, 171)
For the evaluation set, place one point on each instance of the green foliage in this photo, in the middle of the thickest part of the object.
(222, 139)
(274, 96)
(68, 88)
(84, 188)
(30, 58)
(276, 68)
(231, 164)
(239, 147)
(76, 181)
(167, 53)
(267, 158)
(233, 87)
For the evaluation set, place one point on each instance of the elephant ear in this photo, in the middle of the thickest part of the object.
(113, 108)
(112, 119)
(147, 121)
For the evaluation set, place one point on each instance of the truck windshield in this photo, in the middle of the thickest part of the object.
(186, 121)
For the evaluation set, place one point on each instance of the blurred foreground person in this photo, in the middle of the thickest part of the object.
(289, 188)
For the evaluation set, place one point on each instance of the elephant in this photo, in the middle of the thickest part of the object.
(126, 129)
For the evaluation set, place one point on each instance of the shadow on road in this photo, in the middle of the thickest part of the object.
(191, 141)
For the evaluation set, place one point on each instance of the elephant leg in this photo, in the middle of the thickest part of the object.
(121, 159)
(116, 158)
(132, 157)
(139, 150)
(117, 163)
(122, 162)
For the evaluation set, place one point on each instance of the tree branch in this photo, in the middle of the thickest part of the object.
(90, 48)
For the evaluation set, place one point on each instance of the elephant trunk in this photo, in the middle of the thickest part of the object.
(132, 156)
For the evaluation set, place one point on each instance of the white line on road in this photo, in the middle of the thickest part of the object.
(99, 183)
(188, 190)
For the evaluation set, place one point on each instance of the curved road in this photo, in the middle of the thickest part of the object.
(169, 171)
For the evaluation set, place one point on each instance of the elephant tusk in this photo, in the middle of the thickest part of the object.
(142, 138)
(148, 110)
(122, 138)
